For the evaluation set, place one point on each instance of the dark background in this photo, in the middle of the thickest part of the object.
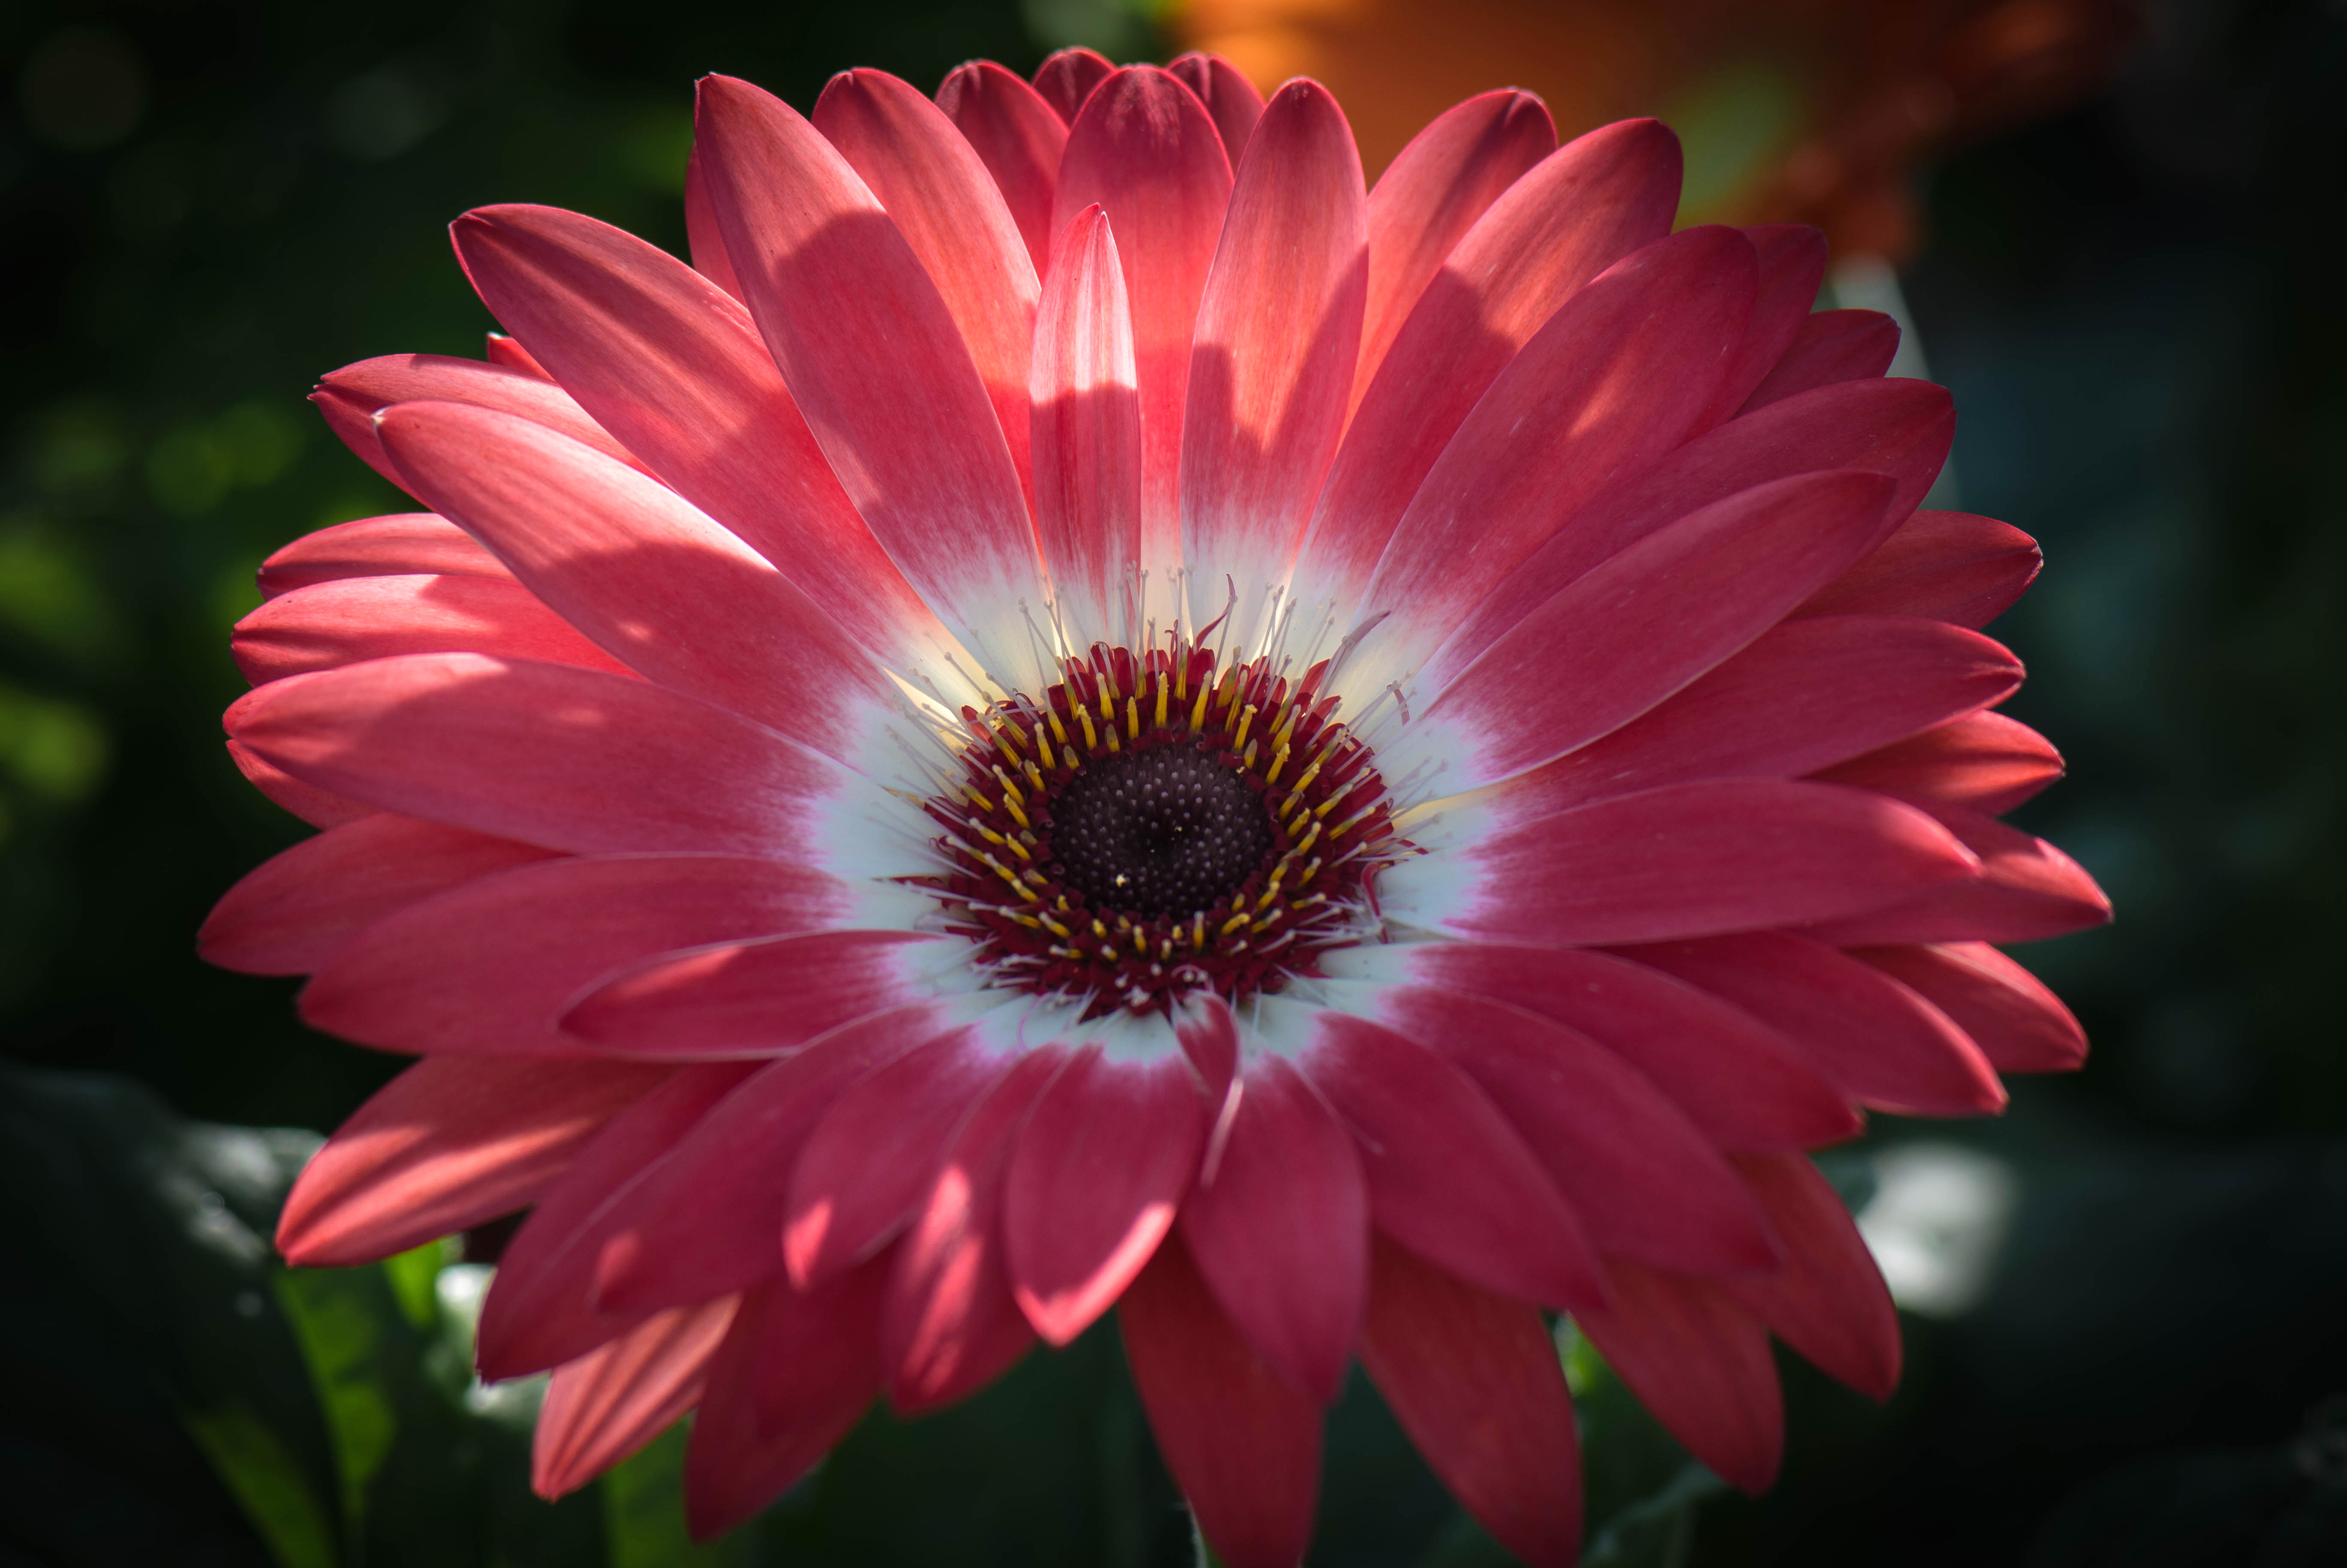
(2139, 305)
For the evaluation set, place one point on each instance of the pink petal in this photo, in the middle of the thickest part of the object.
(748, 999)
(1476, 1382)
(1901, 428)
(1067, 79)
(352, 397)
(1881, 1043)
(1279, 1226)
(1428, 198)
(1802, 692)
(1950, 565)
(1646, 1182)
(616, 1398)
(1582, 209)
(703, 241)
(356, 619)
(549, 754)
(1086, 418)
(509, 352)
(1209, 1036)
(450, 1142)
(1146, 151)
(2027, 890)
(1228, 96)
(488, 966)
(405, 544)
(644, 573)
(539, 1313)
(1018, 137)
(289, 914)
(318, 808)
(1744, 1084)
(1447, 1174)
(672, 364)
(792, 1378)
(889, 388)
(1700, 1363)
(1792, 265)
(1243, 1445)
(709, 1218)
(1655, 619)
(1616, 379)
(1832, 346)
(1984, 762)
(937, 189)
(1106, 1154)
(873, 1157)
(1828, 1301)
(1691, 859)
(1277, 335)
(948, 1324)
(2019, 1025)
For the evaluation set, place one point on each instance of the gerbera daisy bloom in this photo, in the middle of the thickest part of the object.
(1084, 714)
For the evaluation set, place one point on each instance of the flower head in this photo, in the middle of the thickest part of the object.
(1084, 713)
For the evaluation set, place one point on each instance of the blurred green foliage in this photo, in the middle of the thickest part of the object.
(210, 201)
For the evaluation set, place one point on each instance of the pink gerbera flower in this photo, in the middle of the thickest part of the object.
(1084, 714)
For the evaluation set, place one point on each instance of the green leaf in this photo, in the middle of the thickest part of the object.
(643, 1514)
(265, 1480)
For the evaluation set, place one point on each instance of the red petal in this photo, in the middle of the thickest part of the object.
(874, 1155)
(2019, 1025)
(1230, 98)
(1828, 1301)
(1086, 418)
(1447, 1174)
(1655, 619)
(673, 366)
(1986, 763)
(1700, 1363)
(1277, 335)
(648, 576)
(616, 1398)
(747, 999)
(406, 544)
(889, 388)
(2027, 890)
(1950, 565)
(1832, 346)
(1802, 692)
(449, 1143)
(791, 1379)
(1243, 1445)
(539, 1313)
(352, 397)
(1429, 196)
(1681, 861)
(1279, 1226)
(1881, 1043)
(703, 241)
(508, 352)
(290, 912)
(488, 967)
(1579, 211)
(937, 189)
(1614, 380)
(1107, 1151)
(1066, 79)
(1744, 1084)
(318, 808)
(1792, 265)
(709, 1218)
(1146, 152)
(1018, 137)
(948, 1324)
(549, 753)
(361, 618)
(1646, 1182)
(1476, 1382)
